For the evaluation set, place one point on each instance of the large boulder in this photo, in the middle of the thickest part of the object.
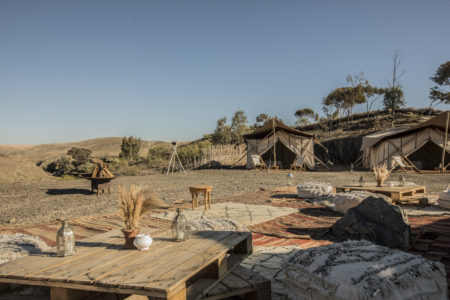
(344, 201)
(311, 190)
(375, 220)
(362, 270)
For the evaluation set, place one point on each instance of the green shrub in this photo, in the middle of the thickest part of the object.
(193, 151)
(130, 148)
(131, 171)
(158, 156)
(61, 166)
(80, 155)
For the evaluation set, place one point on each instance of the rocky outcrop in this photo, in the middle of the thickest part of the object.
(362, 270)
(375, 220)
(312, 190)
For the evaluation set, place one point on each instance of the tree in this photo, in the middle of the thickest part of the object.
(222, 133)
(130, 148)
(261, 119)
(393, 95)
(238, 127)
(305, 116)
(441, 78)
(80, 155)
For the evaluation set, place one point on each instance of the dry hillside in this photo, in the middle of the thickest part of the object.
(19, 163)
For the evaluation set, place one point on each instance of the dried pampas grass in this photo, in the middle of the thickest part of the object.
(151, 201)
(381, 174)
(130, 205)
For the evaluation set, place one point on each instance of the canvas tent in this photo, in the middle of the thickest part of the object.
(289, 145)
(421, 145)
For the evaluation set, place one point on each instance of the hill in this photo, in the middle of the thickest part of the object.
(19, 162)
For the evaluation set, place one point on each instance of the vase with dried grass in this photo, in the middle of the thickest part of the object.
(130, 204)
(381, 174)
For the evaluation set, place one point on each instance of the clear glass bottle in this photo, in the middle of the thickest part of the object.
(401, 180)
(65, 240)
(179, 226)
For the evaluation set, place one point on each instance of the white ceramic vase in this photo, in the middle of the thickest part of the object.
(142, 241)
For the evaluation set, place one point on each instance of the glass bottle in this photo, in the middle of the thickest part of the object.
(361, 181)
(179, 226)
(65, 240)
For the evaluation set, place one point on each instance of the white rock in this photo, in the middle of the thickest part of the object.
(362, 270)
(345, 201)
(309, 190)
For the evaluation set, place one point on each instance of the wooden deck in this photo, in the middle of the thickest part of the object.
(398, 194)
(168, 270)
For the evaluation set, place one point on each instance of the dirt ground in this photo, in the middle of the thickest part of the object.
(45, 201)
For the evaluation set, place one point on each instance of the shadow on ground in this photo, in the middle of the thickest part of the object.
(284, 196)
(68, 191)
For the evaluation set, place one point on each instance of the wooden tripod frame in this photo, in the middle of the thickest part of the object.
(173, 157)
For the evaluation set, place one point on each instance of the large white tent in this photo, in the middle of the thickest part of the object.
(421, 145)
(289, 145)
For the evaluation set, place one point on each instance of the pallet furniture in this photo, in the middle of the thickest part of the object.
(168, 270)
(201, 189)
(398, 194)
(241, 282)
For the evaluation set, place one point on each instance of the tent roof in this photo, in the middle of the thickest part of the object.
(438, 122)
(267, 128)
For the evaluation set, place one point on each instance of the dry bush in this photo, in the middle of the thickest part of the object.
(130, 204)
(151, 201)
(381, 174)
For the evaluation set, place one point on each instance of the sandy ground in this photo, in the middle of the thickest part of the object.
(44, 201)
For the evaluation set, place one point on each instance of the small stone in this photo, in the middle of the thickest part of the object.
(13, 220)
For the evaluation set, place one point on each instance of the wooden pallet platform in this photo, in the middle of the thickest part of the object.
(398, 194)
(168, 270)
(241, 282)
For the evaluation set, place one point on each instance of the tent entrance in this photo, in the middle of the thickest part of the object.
(428, 157)
(285, 157)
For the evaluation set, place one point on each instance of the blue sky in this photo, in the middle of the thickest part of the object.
(166, 70)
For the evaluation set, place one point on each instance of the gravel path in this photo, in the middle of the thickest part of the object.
(37, 202)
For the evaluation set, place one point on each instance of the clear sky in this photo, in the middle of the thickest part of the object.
(166, 70)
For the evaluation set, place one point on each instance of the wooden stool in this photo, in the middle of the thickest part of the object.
(200, 189)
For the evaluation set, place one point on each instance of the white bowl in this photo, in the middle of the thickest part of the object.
(142, 241)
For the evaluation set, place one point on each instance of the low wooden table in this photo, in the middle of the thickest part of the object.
(201, 189)
(168, 270)
(398, 194)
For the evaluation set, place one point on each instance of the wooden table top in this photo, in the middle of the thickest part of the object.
(101, 264)
(380, 188)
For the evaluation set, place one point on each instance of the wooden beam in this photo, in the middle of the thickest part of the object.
(444, 146)
(57, 293)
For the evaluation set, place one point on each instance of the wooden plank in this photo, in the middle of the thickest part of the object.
(57, 293)
(109, 255)
(77, 286)
(33, 263)
(196, 263)
(158, 265)
(4, 287)
(42, 263)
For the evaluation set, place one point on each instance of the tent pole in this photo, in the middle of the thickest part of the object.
(274, 148)
(444, 146)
